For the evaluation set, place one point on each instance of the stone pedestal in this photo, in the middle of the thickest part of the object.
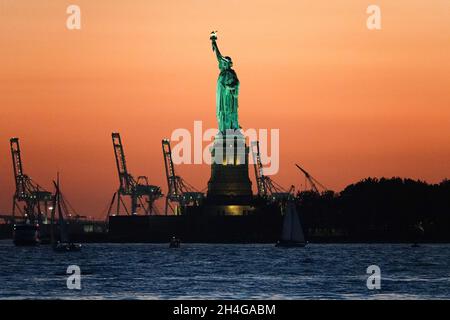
(229, 183)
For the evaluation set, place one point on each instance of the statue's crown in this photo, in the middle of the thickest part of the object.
(228, 59)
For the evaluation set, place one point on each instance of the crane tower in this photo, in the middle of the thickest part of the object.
(142, 195)
(312, 181)
(34, 198)
(179, 191)
(267, 188)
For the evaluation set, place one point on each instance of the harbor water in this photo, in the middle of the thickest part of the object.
(213, 271)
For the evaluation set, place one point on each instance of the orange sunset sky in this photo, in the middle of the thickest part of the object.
(349, 102)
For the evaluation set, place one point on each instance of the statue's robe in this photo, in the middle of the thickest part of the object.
(227, 99)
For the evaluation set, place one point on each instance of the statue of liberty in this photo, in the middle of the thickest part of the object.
(229, 180)
(227, 91)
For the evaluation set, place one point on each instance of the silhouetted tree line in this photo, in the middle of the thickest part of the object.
(379, 210)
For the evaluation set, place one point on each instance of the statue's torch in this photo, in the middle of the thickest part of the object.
(213, 36)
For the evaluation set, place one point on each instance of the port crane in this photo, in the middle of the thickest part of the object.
(179, 191)
(142, 194)
(267, 188)
(34, 198)
(312, 181)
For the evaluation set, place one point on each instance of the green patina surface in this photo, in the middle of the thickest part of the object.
(227, 91)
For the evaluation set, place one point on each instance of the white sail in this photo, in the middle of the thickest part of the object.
(287, 225)
(297, 230)
(292, 229)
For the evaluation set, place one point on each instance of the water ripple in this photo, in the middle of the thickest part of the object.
(200, 271)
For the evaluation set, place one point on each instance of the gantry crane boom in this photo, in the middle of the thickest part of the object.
(267, 188)
(259, 175)
(179, 191)
(139, 191)
(125, 179)
(19, 178)
(172, 180)
(312, 181)
(34, 197)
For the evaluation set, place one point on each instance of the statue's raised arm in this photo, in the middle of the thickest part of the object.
(213, 37)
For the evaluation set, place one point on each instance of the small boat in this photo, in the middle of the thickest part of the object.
(64, 245)
(418, 233)
(174, 243)
(292, 233)
(26, 234)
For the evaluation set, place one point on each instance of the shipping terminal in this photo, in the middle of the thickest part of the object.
(227, 213)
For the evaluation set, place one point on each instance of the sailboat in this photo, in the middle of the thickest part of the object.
(292, 233)
(64, 245)
(418, 232)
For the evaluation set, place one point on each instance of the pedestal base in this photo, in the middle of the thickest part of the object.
(229, 183)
